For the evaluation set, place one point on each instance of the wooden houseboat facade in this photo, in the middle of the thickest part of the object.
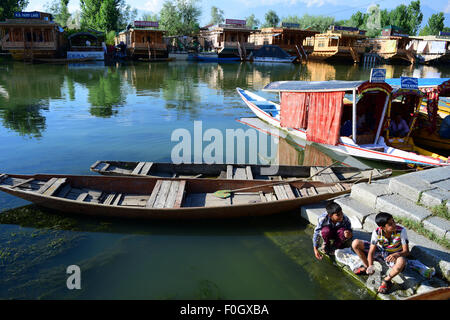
(339, 43)
(288, 37)
(230, 40)
(393, 46)
(144, 41)
(32, 35)
(432, 49)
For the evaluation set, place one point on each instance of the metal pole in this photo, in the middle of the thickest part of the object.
(380, 125)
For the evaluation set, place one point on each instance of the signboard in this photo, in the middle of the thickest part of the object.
(144, 24)
(377, 75)
(290, 25)
(445, 34)
(236, 22)
(409, 83)
(27, 15)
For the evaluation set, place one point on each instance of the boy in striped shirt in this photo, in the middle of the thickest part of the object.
(389, 242)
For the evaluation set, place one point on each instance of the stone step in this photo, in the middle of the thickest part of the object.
(368, 193)
(434, 197)
(439, 226)
(398, 206)
(430, 253)
(312, 212)
(355, 210)
(409, 187)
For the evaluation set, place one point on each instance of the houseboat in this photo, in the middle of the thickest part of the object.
(144, 41)
(393, 46)
(288, 37)
(86, 45)
(32, 35)
(432, 49)
(340, 44)
(317, 111)
(226, 42)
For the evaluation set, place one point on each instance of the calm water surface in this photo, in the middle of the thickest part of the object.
(61, 119)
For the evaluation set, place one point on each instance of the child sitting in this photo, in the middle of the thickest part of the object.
(389, 242)
(332, 225)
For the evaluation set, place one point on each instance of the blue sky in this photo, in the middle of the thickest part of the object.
(239, 9)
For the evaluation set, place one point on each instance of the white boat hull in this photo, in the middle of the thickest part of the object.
(345, 144)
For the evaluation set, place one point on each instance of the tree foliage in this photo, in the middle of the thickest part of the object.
(180, 17)
(317, 23)
(272, 19)
(106, 15)
(252, 22)
(434, 26)
(59, 10)
(8, 7)
(216, 16)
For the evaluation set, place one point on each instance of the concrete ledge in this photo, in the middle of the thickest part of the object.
(431, 175)
(401, 207)
(369, 223)
(444, 185)
(437, 225)
(368, 193)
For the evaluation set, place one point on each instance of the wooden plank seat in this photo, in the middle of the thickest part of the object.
(55, 187)
(167, 194)
(22, 183)
(146, 168)
(3, 177)
(138, 168)
(283, 191)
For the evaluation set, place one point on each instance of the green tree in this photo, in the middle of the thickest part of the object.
(8, 7)
(216, 16)
(415, 17)
(317, 23)
(434, 25)
(180, 18)
(251, 21)
(150, 17)
(357, 20)
(106, 15)
(59, 10)
(272, 19)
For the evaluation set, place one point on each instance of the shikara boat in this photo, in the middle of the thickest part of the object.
(317, 111)
(407, 102)
(158, 198)
(236, 171)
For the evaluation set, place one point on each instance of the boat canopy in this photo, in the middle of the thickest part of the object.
(398, 91)
(312, 86)
(423, 82)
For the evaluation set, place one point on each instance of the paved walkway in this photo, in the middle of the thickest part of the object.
(411, 197)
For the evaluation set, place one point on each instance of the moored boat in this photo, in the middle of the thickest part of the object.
(158, 198)
(334, 124)
(237, 171)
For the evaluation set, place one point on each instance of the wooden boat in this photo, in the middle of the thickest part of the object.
(236, 171)
(436, 294)
(370, 146)
(158, 198)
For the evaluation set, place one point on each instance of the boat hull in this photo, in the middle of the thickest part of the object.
(144, 186)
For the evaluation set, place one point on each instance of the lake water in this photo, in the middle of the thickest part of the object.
(61, 119)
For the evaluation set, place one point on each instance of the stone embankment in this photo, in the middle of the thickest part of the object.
(418, 201)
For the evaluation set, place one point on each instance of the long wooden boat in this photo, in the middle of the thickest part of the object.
(436, 294)
(371, 146)
(236, 171)
(158, 198)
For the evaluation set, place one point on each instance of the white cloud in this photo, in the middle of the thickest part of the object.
(153, 5)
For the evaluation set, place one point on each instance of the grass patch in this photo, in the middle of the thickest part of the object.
(420, 229)
(441, 211)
